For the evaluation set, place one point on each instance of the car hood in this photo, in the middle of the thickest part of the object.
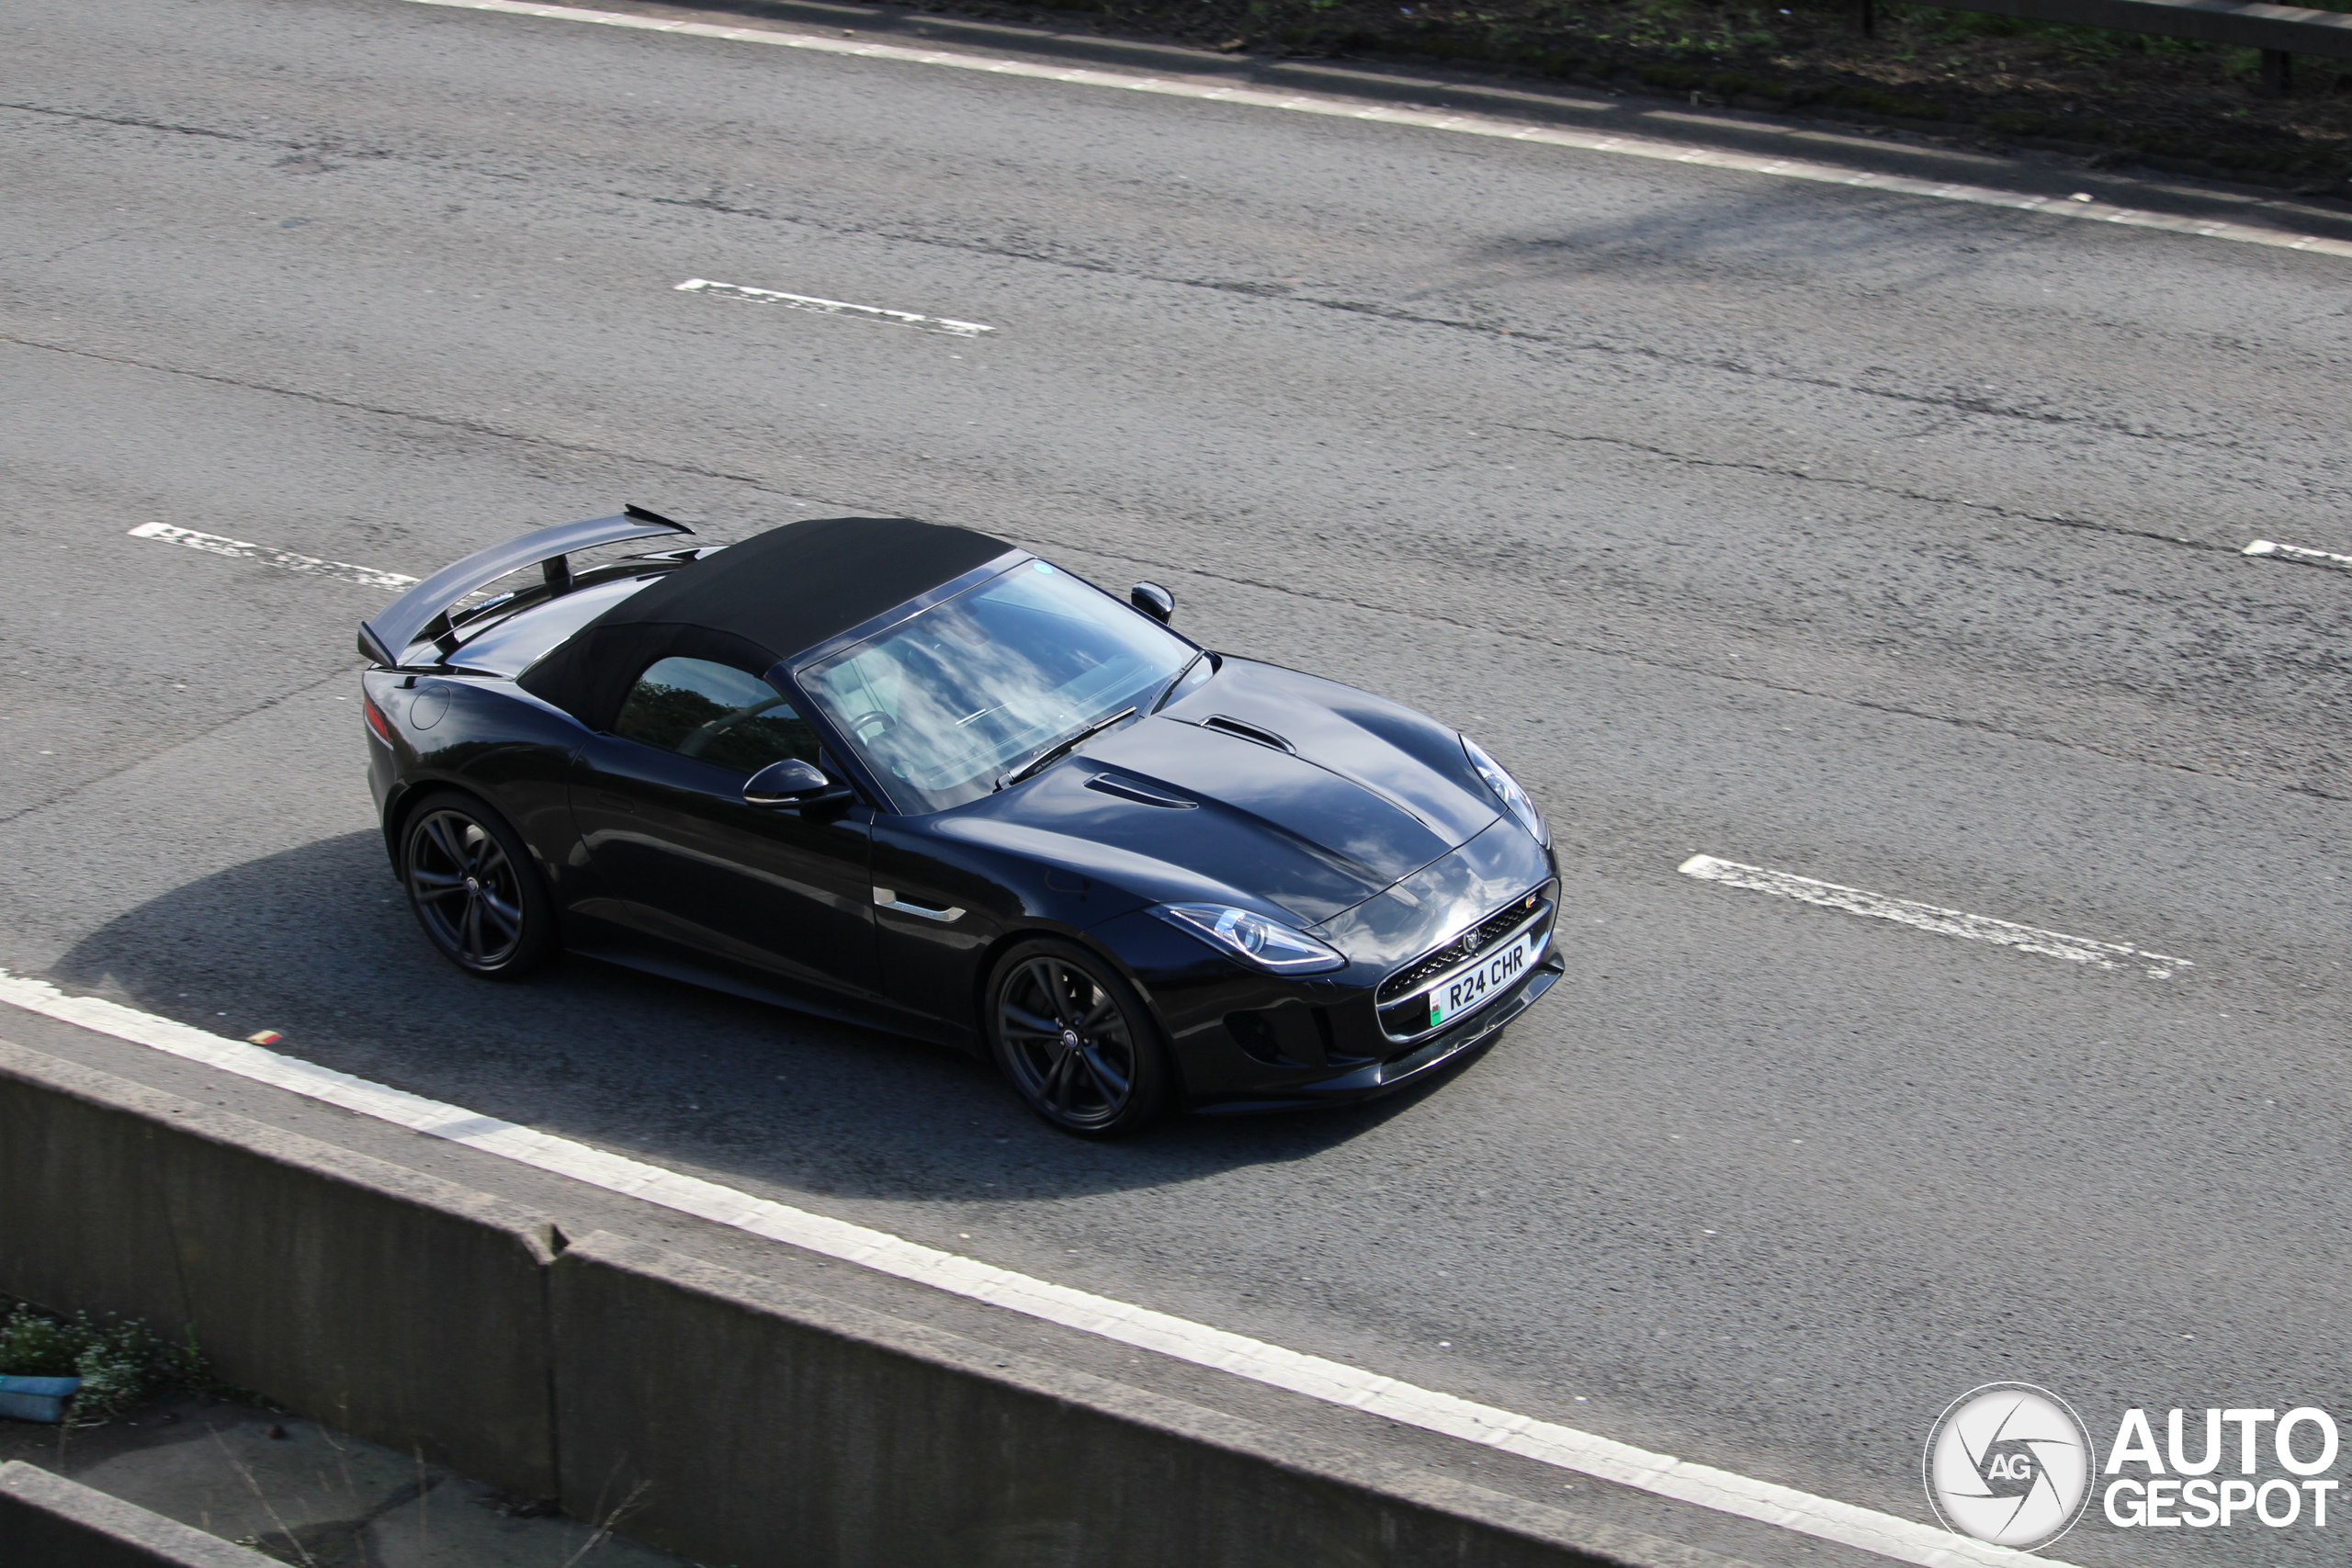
(1261, 786)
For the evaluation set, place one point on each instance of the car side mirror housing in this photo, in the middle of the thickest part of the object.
(1153, 601)
(790, 783)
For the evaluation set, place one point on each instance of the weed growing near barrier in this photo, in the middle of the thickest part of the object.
(119, 1360)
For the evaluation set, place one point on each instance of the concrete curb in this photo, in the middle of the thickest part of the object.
(47, 1521)
(403, 1308)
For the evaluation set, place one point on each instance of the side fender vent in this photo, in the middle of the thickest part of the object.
(1142, 795)
(1250, 732)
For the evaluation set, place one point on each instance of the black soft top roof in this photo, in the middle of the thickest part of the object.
(753, 604)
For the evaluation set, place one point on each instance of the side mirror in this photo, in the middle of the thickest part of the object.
(1153, 601)
(790, 783)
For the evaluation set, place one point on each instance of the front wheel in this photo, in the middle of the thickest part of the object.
(1075, 1039)
(473, 888)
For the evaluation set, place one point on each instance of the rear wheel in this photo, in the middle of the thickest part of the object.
(473, 888)
(1075, 1039)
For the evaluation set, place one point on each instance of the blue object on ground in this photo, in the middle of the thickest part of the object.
(36, 1399)
(54, 1388)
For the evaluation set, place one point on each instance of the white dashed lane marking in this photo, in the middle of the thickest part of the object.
(1931, 918)
(946, 324)
(2296, 553)
(215, 544)
(2078, 206)
(1906, 1540)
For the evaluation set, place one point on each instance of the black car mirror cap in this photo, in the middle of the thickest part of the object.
(791, 783)
(1153, 601)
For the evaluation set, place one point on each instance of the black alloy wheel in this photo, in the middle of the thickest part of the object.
(1075, 1041)
(474, 889)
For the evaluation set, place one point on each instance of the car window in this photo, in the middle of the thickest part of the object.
(945, 703)
(721, 714)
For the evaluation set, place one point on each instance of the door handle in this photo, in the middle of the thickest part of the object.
(615, 802)
(888, 898)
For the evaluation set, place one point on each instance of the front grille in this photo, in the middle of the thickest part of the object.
(1468, 945)
(1404, 1013)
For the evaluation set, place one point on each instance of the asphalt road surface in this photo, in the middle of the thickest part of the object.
(1870, 538)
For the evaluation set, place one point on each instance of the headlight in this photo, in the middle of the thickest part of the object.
(1267, 943)
(1506, 790)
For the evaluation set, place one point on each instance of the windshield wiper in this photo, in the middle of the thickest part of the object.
(1064, 744)
(1170, 690)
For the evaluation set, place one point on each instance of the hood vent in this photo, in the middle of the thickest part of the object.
(1250, 732)
(1142, 795)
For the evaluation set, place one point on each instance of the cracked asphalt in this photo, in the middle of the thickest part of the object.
(1878, 540)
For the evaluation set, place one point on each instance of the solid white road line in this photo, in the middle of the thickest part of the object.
(1436, 120)
(947, 324)
(1313, 1376)
(342, 571)
(2296, 553)
(1930, 917)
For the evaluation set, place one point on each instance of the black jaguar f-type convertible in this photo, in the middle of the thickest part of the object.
(913, 776)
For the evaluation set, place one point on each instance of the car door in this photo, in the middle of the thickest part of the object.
(780, 890)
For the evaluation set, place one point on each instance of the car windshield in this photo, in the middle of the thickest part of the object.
(941, 706)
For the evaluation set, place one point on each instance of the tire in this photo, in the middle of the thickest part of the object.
(474, 890)
(1075, 1041)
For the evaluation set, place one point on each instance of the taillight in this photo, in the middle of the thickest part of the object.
(377, 721)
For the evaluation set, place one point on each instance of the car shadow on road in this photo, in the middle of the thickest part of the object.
(318, 944)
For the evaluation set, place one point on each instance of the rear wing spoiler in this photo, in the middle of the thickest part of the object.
(424, 610)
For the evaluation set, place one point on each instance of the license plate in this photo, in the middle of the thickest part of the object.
(1467, 989)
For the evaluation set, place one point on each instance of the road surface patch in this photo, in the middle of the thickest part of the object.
(1933, 917)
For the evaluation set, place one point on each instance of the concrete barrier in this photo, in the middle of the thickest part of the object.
(387, 1302)
(47, 1521)
(734, 1419)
